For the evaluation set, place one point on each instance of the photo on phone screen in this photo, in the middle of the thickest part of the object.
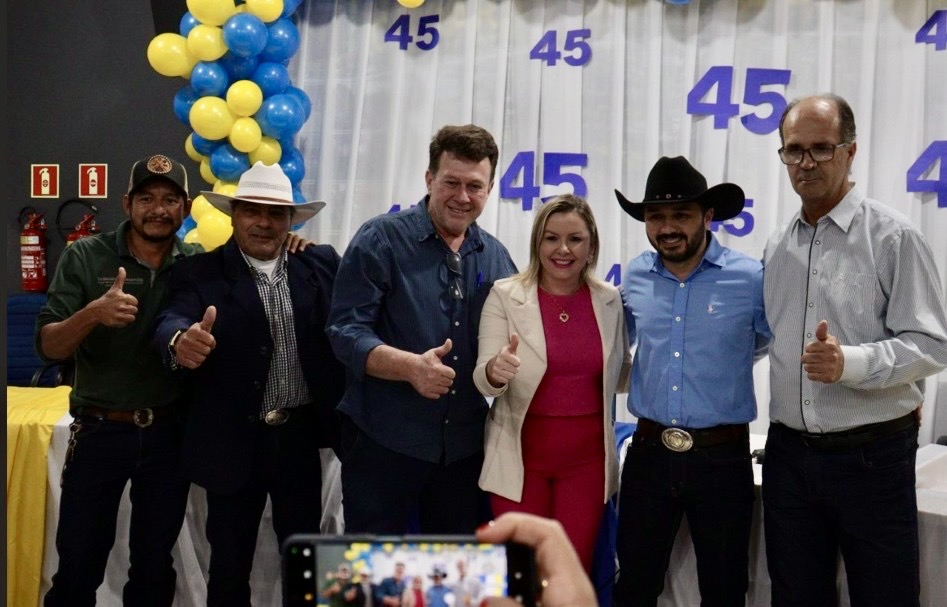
(447, 571)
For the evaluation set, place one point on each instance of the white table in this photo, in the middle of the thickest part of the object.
(192, 553)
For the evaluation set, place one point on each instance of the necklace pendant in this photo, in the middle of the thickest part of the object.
(564, 316)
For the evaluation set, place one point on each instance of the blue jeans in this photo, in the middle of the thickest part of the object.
(105, 457)
(860, 501)
(714, 488)
(382, 490)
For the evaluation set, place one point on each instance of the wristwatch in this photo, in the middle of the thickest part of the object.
(173, 342)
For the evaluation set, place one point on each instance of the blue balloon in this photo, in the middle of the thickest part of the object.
(186, 226)
(245, 34)
(290, 6)
(282, 41)
(239, 68)
(209, 78)
(272, 78)
(298, 197)
(189, 22)
(293, 165)
(280, 116)
(183, 100)
(228, 163)
(205, 146)
(303, 99)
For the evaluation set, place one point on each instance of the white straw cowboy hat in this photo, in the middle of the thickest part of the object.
(265, 184)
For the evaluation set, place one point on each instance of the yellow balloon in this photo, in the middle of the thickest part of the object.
(211, 118)
(200, 207)
(244, 97)
(191, 152)
(206, 173)
(212, 12)
(213, 229)
(191, 237)
(227, 188)
(408, 3)
(245, 134)
(266, 10)
(268, 152)
(169, 56)
(206, 42)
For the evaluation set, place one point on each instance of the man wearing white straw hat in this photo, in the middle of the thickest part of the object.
(246, 324)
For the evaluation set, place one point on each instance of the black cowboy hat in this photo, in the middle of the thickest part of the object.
(674, 180)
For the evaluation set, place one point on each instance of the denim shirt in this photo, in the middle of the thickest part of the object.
(393, 288)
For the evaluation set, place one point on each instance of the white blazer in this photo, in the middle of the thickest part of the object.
(512, 307)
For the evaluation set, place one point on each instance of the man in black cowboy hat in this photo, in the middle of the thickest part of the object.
(246, 323)
(694, 308)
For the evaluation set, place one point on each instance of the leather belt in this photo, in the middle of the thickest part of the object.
(685, 439)
(140, 417)
(856, 437)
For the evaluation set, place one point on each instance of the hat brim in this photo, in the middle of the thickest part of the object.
(304, 210)
(726, 199)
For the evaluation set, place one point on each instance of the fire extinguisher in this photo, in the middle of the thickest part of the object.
(84, 228)
(33, 244)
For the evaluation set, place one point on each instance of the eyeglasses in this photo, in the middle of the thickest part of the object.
(822, 152)
(455, 265)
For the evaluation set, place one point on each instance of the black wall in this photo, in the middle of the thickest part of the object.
(80, 90)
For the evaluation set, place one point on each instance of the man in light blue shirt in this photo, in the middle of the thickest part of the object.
(694, 310)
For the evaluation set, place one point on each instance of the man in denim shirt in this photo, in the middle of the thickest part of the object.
(404, 320)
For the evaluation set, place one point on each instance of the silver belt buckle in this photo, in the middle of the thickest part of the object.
(143, 417)
(677, 440)
(276, 418)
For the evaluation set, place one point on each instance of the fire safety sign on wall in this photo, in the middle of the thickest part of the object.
(44, 180)
(93, 180)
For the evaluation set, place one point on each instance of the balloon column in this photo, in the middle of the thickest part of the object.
(239, 99)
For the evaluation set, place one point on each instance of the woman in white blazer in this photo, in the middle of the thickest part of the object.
(553, 352)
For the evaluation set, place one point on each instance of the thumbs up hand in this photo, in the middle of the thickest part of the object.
(823, 360)
(194, 345)
(431, 377)
(115, 308)
(502, 368)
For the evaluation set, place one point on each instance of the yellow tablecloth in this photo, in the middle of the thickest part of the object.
(31, 415)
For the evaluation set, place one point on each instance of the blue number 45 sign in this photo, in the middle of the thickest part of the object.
(935, 152)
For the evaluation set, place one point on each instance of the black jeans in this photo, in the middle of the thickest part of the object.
(287, 467)
(106, 456)
(713, 487)
(383, 489)
(860, 501)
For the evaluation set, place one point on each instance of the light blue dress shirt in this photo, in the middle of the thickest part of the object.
(696, 340)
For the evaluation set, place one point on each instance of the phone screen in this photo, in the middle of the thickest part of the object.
(446, 571)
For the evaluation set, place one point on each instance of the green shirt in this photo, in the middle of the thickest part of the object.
(116, 368)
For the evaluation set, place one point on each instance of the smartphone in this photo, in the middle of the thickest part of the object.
(449, 570)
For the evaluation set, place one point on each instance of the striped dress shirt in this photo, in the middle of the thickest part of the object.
(868, 271)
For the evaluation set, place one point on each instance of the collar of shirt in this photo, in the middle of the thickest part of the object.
(841, 214)
(256, 266)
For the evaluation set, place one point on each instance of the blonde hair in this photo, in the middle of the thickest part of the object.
(564, 203)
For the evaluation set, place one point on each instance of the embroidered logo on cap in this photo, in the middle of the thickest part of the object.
(159, 164)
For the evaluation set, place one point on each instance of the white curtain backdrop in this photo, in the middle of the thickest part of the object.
(615, 101)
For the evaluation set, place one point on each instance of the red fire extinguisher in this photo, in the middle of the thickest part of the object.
(84, 228)
(33, 245)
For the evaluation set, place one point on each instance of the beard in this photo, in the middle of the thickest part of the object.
(692, 246)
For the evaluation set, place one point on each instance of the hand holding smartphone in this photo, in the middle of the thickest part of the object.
(448, 571)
